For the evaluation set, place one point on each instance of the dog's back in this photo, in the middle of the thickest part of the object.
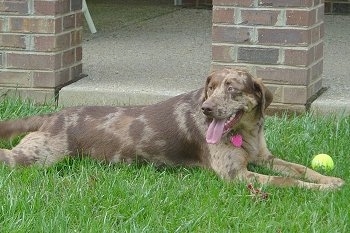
(163, 133)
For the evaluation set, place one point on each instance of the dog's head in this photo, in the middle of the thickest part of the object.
(229, 95)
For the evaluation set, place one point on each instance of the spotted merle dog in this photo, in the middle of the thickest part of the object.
(218, 127)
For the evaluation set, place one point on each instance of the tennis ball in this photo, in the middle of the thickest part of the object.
(322, 162)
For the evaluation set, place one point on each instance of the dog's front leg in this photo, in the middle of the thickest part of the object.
(232, 165)
(299, 171)
(280, 181)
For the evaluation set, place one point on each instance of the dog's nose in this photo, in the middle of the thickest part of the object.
(207, 108)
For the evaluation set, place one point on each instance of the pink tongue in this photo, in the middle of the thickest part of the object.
(215, 130)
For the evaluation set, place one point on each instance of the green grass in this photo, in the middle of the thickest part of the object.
(86, 196)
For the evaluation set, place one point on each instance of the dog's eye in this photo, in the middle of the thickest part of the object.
(211, 88)
(233, 91)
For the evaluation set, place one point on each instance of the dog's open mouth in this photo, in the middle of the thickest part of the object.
(217, 127)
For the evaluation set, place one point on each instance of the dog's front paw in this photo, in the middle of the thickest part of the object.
(337, 181)
(332, 181)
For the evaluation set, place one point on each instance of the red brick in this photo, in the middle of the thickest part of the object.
(217, 66)
(63, 77)
(295, 95)
(15, 79)
(2, 29)
(58, 25)
(318, 51)
(277, 36)
(33, 61)
(286, 3)
(316, 34)
(278, 109)
(259, 17)
(298, 57)
(223, 15)
(44, 43)
(76, 37)
(49, 43)
(316, 70)
(284, 75)
(41, 31)
(230, 34)
(302, 18)
(68, 21)
(239, 3)
(78, 54)
(14, 7)
(68, 57)
(79, 19)
(258, 55)
(32, 25)
(42, 79)
(222, 53)
(63, 41)
(277, 91)
(51, 7)
(315, 88)
(12, 41)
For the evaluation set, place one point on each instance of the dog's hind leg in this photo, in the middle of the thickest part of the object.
(36, 148)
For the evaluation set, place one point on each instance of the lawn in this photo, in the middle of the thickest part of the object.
(87, 196)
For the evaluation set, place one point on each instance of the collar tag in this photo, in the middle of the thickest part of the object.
(236, 140)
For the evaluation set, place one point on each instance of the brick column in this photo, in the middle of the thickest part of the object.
(40, 46)
(280, 41)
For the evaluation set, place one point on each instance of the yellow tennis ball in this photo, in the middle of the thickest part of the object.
(322, 162)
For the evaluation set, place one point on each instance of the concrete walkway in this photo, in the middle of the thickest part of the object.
(336, 67)
(146, 62)
(171, 54)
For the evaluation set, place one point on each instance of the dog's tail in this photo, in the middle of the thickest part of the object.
(15, 127)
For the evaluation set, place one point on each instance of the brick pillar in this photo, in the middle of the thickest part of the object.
(40, 46)
(280, 41)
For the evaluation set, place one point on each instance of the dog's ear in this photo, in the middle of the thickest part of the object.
(265, 96)
(205, 90)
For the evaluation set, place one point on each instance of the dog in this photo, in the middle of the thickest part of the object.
(218, 127)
